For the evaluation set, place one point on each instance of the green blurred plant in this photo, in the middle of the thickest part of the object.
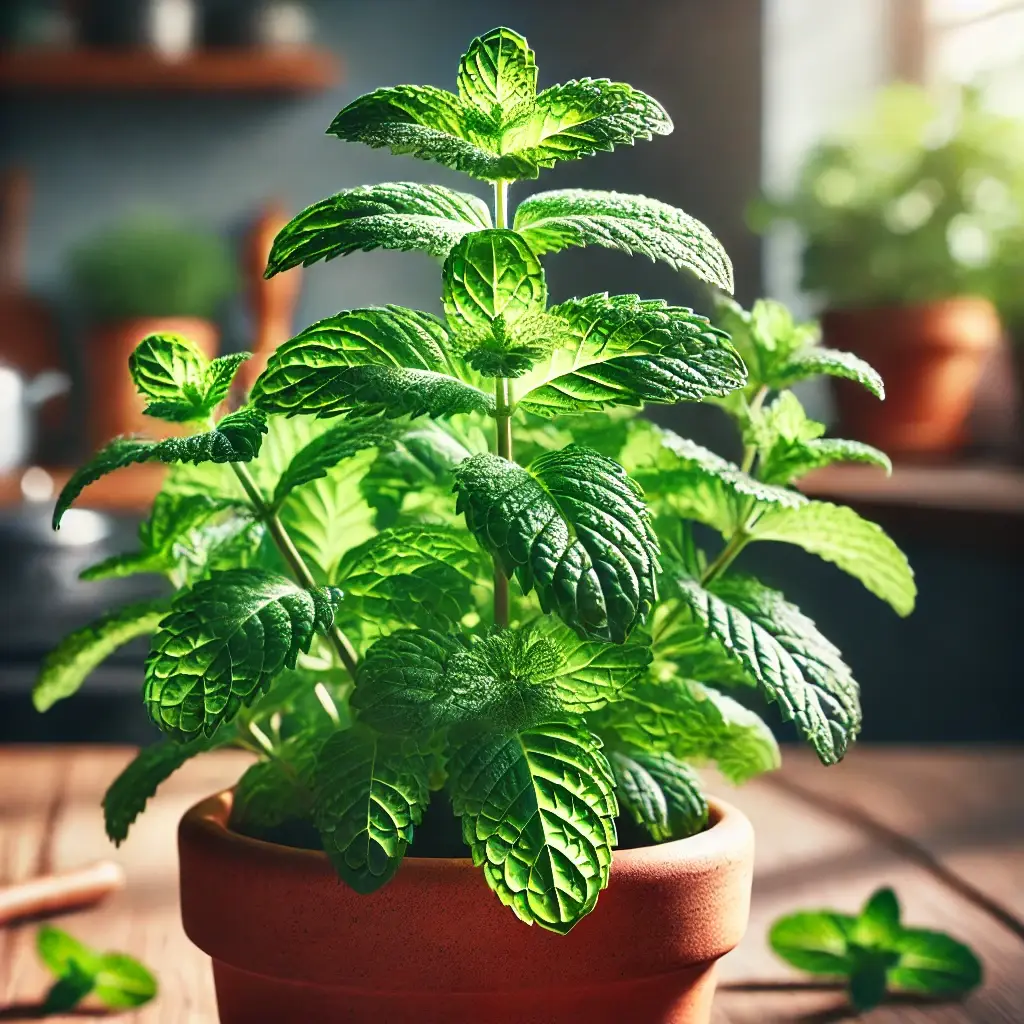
(147, 267)
(914, 202)
(875, 952)
(116, 980)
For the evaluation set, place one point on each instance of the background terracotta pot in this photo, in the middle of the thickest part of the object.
(930, 357)
(114, 406)
(290, 942)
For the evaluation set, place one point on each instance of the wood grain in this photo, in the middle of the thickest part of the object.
(965, 807)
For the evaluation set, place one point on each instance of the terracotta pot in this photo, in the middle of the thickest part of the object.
(115, 407)
(930, 357)
(290, 942)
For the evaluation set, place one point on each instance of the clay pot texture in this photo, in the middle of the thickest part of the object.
(292, 943)
(114, 406)
(930, 357)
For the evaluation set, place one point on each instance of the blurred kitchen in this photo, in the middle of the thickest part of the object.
(150, 149)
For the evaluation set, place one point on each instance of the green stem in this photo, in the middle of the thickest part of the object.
(501, 203)
(503, 422)
(340, 642)
(737, 542)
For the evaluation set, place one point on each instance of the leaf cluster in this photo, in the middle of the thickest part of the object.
(875, 953)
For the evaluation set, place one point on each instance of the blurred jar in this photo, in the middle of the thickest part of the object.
(273, 24)
(167, 27)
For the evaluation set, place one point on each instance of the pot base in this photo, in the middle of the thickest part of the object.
(680, 997)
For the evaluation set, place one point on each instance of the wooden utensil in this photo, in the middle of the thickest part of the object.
(28, 334)
(272, 301)
(57, 894)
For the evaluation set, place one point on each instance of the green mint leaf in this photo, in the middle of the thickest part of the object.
(68, 665)
(236, 438)
(660, 793)
(581, 118)
(490, 274)
(221, 646)
(371, 791)
(278, 790)
(538, 813)
(794, 665)
(511, 350)
(933, 964)
(857, 546)
(220, 375)
(403, 215)
(170, 370)
(68, 991)
(498, 74)
(385, 360)
(62, 954)
(867, 986)
(417, 682)
(431, 124)
(131, 563)
(694, 723)
(592, 673)
(420, 575)
(684, 479)
(572, 526)
(552, 221)
(813, 362)
(878, 924)
(629, 351)
(128, 794)
(122, 983)
(815, 941)
(326, 450)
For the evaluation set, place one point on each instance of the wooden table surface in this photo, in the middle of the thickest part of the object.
(944, 827)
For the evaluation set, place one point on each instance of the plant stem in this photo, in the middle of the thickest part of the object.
(340, 642)
(503, 421)
(737, 542)
(501, 203)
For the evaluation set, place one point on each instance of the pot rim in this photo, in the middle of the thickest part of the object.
(282, 912)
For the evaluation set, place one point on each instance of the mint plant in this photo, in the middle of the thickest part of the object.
(442, 563)
(875, 952)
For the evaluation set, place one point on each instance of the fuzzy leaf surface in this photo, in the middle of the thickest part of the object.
(629, 351)
(688, 480)
(403, 215)
(381, 360)
(694, 723)
(572, 526)
(794, 665)
(128, 794)
(416, 575)
(220, 647)
(490, 274)
(68, 665)
(237, 438)
(498, 74)
(371, 792)
(538, 813)
(552, 221)
(660, 792)
(856, 545)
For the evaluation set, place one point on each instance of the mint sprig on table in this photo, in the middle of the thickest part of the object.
(116, 980)
(875, 952)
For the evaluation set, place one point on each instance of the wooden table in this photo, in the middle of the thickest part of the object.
(944, 827)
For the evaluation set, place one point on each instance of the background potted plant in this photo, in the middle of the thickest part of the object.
(144, 276)
(902, 217)
(417, 576)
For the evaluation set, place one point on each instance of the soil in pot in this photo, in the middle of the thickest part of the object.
(435, 946)
(930, 357)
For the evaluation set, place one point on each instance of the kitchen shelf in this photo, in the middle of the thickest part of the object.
(253, 70)
(973, 506)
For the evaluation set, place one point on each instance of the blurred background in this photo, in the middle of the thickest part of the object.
(862, 161)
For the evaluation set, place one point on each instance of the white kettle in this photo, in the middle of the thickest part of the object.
(19, 400)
